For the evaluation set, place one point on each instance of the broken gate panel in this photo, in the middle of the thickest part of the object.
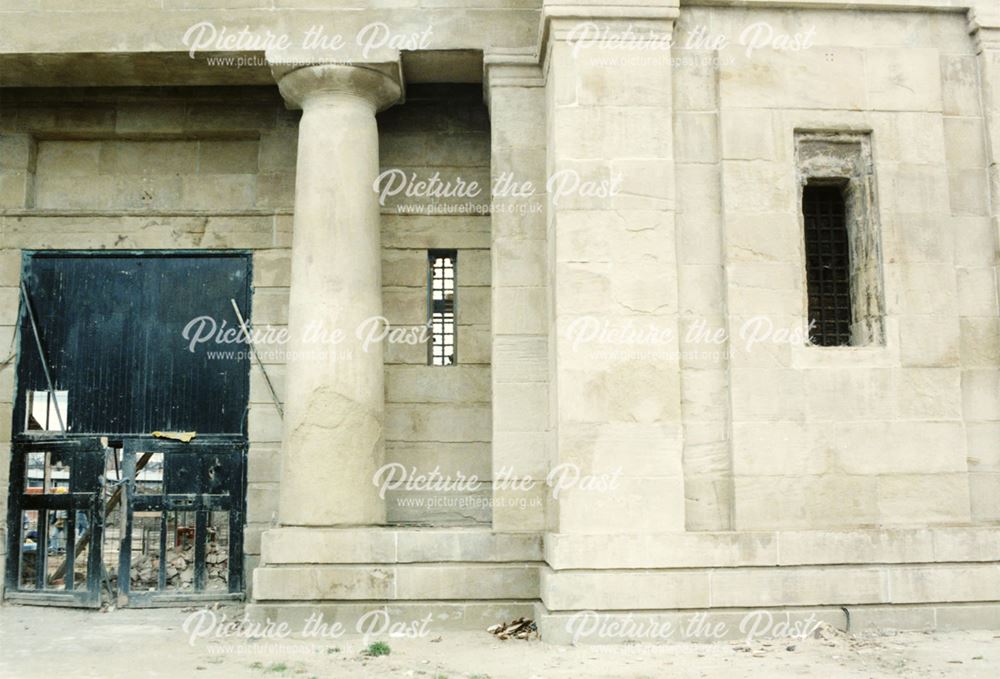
(55, 522)
(183, 537)
(106, 357)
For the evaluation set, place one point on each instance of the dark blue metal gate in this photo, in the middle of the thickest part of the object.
(105, 490)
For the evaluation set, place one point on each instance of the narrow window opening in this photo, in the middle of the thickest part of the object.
(843, 260)
(441, 308)
(828, 265)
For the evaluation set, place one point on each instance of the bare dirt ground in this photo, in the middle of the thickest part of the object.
(49, 642)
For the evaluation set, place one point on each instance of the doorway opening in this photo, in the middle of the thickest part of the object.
(128, 465)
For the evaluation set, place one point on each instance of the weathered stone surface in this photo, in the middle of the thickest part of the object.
(406, 582)
(775, 474)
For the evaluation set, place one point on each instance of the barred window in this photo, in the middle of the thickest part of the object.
(441, 306)
(828, 265)
(842, 239)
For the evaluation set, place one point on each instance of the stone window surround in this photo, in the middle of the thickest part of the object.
(844, 157)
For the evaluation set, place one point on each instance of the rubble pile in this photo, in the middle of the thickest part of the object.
(522, 628)
(180, 568)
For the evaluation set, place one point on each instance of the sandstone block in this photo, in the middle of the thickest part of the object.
(903, 79)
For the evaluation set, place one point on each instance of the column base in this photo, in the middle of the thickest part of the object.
(462, 578)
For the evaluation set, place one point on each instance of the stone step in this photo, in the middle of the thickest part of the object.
(292, 546)
(696, 588)
(383, 620)
(399, 582)
(731, 624)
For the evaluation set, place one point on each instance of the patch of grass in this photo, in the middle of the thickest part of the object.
(277, 667)
(377, 648)
(332, 650)
(256, 666)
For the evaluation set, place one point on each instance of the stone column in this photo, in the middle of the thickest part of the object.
(334, 403)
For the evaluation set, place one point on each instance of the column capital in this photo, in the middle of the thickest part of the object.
(380, 84)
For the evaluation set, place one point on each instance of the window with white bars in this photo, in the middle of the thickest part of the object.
(442, 287)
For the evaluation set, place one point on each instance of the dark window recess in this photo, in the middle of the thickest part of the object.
(828, 270)
(441, 307)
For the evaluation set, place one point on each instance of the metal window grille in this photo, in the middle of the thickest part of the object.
(442, 306)
(828, 273)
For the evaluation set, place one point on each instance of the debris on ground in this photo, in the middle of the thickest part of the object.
(831, 636)
(522, 628)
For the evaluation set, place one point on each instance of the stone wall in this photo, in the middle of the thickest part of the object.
(781, 474)
(215, 168)
(782, 444)
(785, 435)
(159, 169)
(866, 435)
(438, 417)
